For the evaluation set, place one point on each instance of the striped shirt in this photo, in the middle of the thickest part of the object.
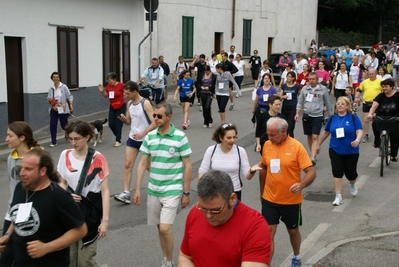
(166, 169)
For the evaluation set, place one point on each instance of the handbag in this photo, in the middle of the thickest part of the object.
(91, 205)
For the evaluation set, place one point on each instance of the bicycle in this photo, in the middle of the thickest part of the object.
(146, 91)
(385, 124)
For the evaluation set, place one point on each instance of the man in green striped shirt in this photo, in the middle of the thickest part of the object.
(168, 152)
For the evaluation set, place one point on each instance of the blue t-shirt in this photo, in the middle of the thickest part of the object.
(290, 104)
(264, 95)
(186, 87)
(342, 146)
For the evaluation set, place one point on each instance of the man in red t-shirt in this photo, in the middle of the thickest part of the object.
(221, 231)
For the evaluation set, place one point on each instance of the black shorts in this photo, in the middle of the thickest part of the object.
(344, 164)
(312, 125)
(186, 99)
(290, 215)
(367, 106)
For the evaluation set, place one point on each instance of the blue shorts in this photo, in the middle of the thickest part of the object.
(133, 143)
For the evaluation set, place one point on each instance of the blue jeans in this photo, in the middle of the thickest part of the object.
(54, 117)
(114, 123)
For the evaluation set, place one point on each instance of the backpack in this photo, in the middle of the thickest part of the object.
(185, 65)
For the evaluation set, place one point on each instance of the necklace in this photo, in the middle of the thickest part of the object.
(27, 198)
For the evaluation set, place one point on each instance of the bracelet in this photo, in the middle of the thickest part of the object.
(357, 141)
(6, 234)
(252, 172)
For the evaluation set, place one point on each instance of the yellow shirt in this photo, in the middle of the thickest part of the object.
(219, 57)
(370, 89)
(293, 158)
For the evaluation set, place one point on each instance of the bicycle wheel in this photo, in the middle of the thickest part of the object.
(387, 149)
(382, 154)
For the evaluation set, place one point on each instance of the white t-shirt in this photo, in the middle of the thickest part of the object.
(299, 65)
(212, 65)
(240, 67)
(341, 80)
(359, 53)
(70, 168)
(228, 162)
(180, 67)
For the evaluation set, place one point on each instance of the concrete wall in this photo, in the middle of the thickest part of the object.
(291, 24)
(35, 21)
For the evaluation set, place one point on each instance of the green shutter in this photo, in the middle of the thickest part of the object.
(187, 37)
(246, 37)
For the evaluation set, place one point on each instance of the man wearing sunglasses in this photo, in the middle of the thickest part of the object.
(222, 231)
(168, 152)
(139, 115)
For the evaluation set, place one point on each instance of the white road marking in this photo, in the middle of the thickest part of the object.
(376, 163)
(308, 242)
(359, 183)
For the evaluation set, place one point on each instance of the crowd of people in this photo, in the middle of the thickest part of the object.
(48, 193)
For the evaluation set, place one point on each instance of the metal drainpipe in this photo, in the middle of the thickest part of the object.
(233, 20)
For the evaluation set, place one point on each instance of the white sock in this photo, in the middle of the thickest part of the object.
(338, 195)
(127, 192)
(297, 257)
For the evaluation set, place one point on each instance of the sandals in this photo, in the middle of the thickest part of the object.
(394, 159)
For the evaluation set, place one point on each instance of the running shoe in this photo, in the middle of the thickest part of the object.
(296, 263)
(231, 106)
(337, 201)
(354, 190)
(365, 138)
(184, 126)
(123, 197)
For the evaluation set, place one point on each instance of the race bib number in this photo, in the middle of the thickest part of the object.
(154, 76)
(221, 85)
(309, 97)
(303, 82)
(275, 166)
(111, 95)
(289, 96)
(23, 212)
(320, 80)
(340, 132)
(265, 97)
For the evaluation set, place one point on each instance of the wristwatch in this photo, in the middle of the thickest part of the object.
(187, 194)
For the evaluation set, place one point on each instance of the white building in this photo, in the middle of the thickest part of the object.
(189, 27)
(83, 40)
(86, 39)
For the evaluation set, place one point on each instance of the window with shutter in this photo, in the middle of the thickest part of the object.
(116, 55)
(68, 59)
(188, 37)
(126, 56)
(246, 37)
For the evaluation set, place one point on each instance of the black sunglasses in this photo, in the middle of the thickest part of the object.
(159, 116)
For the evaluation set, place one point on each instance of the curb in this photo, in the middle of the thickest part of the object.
(327, 249)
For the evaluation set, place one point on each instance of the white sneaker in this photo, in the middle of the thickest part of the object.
(354, 190)
(337, 201)
(117, 144)
(188, 122)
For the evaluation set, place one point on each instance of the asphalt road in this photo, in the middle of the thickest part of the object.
(326, 229)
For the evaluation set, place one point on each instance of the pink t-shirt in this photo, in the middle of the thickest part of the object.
(324, 76)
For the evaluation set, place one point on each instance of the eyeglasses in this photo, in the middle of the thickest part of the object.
(224, 126)
(159, 116)
(211, 211)
(75, 139)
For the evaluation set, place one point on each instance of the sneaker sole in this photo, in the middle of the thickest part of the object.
(122, 200)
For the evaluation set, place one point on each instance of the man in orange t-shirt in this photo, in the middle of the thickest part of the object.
(281, 183)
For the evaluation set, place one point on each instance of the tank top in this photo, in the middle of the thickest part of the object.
(138, 119)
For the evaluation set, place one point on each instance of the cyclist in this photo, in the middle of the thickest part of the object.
(155, 74)
(387, 104)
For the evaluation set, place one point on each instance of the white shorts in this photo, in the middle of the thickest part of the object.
(162, 209)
